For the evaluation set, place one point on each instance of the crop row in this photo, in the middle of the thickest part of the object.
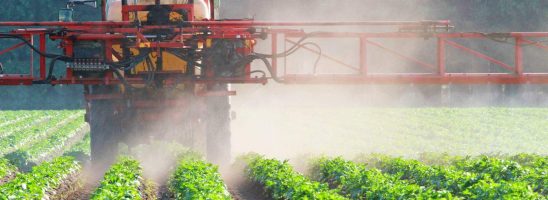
(6, 168)
(45, 179)
(445, 159)
(81, 150)
(538, 170)
(282, 182)
(196, 179)
(34, 152)
(55, 141)
(37, 131)
(8, 119)
(529, 168)
(25, 123)
(6, 116)
(121, 181)
(394, 178)
(467, 184)
(41, 181)
(529, 160)
(357, 182)
(462, 131)
(506, 170)
(193, 178)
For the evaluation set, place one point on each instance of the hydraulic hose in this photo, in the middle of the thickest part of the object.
(47, 55)
(291, 50)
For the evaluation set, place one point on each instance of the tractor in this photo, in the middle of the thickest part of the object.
(162, 69)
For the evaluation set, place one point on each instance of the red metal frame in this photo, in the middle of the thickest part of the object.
(238, 23)
(29, 37)
(103, 31)
(515, 73)
(12, 48)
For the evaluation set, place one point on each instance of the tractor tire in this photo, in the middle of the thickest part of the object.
(105, 127)
(217, 119)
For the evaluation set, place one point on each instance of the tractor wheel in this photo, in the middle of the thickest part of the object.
(105, 126)
(218, 128)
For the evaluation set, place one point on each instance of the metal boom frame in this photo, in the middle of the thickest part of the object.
(111, 33)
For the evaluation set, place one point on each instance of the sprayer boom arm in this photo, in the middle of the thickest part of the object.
(434, 35)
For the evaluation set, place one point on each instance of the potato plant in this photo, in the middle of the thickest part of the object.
(43, 179)
(13, 119)
(121, 181)
(497, 169)
(56, 141)
(39, 150)
(530, 160)
(282, 182)
(357, 182)
(12, 127)
(510, 171)
(461, 183)
(81, 150)
(196, 179)
(6, 168)
(36, 132)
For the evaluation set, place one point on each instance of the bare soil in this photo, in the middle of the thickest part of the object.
(69, 186)
(163, 193)
(7, 178)
(240, 187)
(149, 190)
(83, 186)
(247, 191)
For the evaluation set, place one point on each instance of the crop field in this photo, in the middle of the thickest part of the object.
(383, 177)
(45, 155)
(349, 131)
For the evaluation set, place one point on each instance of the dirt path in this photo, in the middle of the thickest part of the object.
(8, 178)
(85, 185)
(242, 189)
(246, 191)
(163, 193)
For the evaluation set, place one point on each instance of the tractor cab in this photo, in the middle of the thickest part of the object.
(142, 10)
